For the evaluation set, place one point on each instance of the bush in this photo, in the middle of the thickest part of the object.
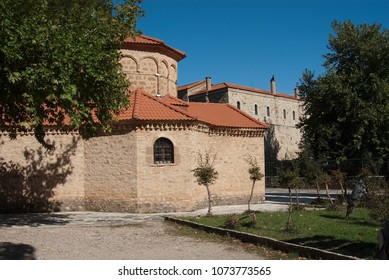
(377, 199)
(232, 221)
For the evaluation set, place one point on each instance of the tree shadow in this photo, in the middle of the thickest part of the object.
(33, 219)
(272, 148)
(364, 250)
(351, 220)
(30, 187)
(11, 251)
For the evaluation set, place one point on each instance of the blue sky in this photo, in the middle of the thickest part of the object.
(247, 41)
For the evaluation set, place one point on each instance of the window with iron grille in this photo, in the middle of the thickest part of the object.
(163, 151)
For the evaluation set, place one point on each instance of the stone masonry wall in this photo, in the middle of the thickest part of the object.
(110, 173)
(141, 69)
(172, 187)
(33, 179)
(284, 115)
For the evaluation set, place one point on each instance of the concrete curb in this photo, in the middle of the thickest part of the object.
(303, 251)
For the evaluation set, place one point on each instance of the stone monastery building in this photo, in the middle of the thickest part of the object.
(281, 111)
(145, 165)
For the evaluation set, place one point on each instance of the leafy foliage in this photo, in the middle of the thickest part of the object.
(206, 173)
(347, 107)
(60, 59)
(255, 174)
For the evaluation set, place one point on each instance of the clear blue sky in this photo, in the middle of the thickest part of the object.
(247, 41)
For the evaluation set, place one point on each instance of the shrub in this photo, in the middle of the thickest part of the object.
(232, 221)
(377, 199)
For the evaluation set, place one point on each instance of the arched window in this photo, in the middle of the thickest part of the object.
(284, 113)
(256, 109)
(238, 105)
(294, 115)
(268, 111)
(163, 151)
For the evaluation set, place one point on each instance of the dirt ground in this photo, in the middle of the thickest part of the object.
(154, 240)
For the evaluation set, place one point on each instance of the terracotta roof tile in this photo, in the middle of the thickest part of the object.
(234, 86)
(147, 43)
(146, 107)
(223, 115)
(168, 108)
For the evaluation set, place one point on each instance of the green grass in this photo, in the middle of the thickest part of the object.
(328, 230)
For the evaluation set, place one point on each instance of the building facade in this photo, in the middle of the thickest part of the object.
(145, 165)
(281, 111)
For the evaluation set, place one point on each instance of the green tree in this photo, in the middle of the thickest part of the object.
(289, 177)
(347, 107)
(255, 175)
(60, 59)
(206, 173)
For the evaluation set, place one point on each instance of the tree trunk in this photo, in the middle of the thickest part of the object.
(290, 208)
(209, 202)
(328, 193)
(317, 189)
(297, 198)
(251, 195)
(344, 192)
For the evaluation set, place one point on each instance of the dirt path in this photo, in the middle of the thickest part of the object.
(150, 240)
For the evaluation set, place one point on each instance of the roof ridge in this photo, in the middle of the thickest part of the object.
(171, 107)
(247, 115)
(152, 38)
(136, 101)
(187, 86)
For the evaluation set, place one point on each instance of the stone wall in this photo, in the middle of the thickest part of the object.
(111, 173)
(172, 187)
(34, 179)
(152, 72)
(118, 173)
(284, 115)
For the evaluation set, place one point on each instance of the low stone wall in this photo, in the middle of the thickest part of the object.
(304, 251)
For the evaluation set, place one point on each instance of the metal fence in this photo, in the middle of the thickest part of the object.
(349, 166)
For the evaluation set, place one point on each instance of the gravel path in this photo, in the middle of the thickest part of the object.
(150, 240)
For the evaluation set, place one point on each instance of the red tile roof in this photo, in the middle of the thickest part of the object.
(224, 115)
(145, 107)
(234, 86)
(146, 43)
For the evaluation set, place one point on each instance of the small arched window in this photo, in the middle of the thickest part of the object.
(268, 111)
(284, 113)
(238, 105)
(163, 151)
(256, 109)
(294, 115)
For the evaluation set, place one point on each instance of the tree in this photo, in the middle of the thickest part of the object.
(255, 175)
(59, 63)
(289, 178)
(347, 107)
(206, 174)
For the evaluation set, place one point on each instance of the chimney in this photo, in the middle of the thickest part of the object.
(273, 85)
(296, 93)
(208, 85)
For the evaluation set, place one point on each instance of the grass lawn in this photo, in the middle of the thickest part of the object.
(328, 230)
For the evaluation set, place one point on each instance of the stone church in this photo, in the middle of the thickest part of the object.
(145, 165)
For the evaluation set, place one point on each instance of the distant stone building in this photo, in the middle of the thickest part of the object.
(281, 111)
(145, 164)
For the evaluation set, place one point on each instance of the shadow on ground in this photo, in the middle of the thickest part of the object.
(11, 251)
(33, 220)
(363, 250)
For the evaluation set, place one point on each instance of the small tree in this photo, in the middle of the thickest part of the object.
(205, 173)
(340, 177)
(289, 178)
(255, 175)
